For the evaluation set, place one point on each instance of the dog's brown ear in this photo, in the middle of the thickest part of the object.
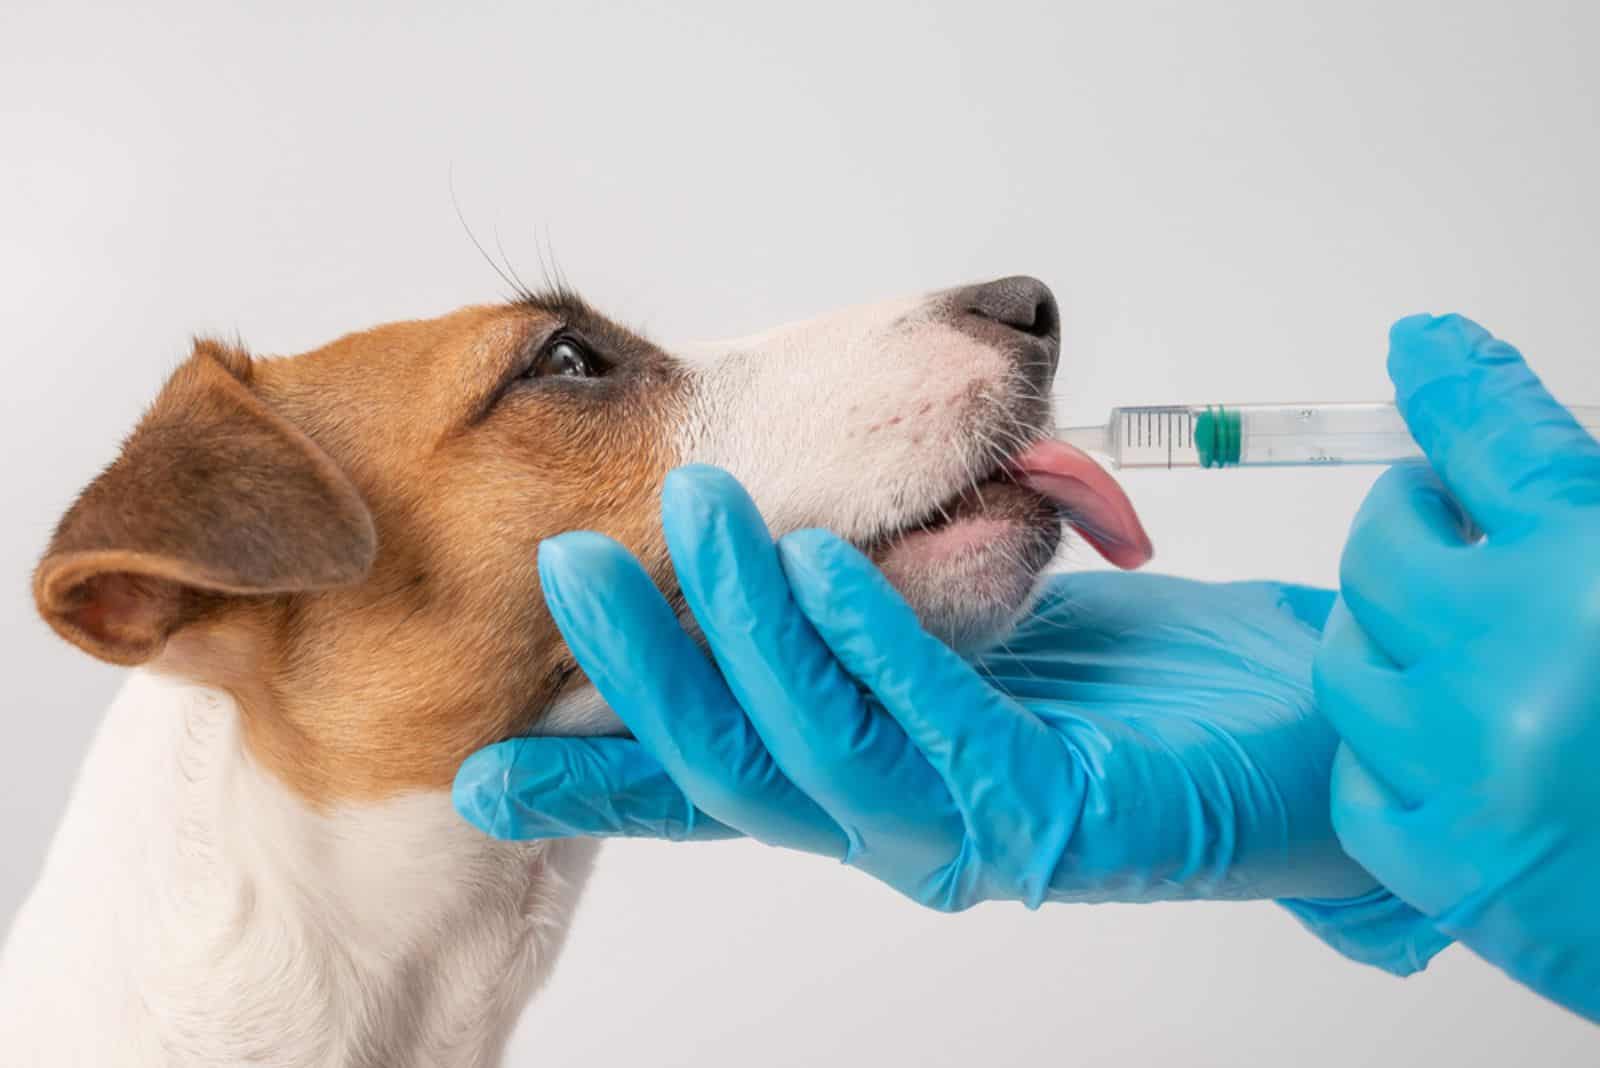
(214, 495)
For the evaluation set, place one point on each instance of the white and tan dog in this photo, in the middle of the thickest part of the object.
(323, 568)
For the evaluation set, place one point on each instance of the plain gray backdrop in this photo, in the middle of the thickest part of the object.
(1232, 200)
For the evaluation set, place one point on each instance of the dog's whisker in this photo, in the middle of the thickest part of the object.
(522, 290)
(517, 291)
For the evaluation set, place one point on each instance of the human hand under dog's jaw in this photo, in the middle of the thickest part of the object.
(828, 720)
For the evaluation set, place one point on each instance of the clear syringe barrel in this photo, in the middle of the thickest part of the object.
(1259, 435)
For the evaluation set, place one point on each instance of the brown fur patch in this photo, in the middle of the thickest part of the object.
(232, 542)
(213, 494)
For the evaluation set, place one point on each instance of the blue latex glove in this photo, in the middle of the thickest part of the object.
(1464, 676)
(1139, 737)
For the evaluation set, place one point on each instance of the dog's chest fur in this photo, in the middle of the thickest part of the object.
(193, 911)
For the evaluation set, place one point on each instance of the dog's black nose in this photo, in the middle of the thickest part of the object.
(1022, 303)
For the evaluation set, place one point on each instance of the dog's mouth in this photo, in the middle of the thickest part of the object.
(1046, 484)
(1089, 499)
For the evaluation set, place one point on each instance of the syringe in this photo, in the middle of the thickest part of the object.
(1259, 435)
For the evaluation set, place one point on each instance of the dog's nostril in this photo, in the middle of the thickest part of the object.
(1022, 303)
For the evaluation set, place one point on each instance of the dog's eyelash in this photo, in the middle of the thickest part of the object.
(559, 301)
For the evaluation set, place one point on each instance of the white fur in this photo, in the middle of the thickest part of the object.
(580, 713)
(194, 911)
(880, 404)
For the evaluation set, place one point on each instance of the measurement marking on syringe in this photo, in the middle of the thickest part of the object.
(1149, 432)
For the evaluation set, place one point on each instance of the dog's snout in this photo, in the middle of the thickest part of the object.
(1024, 304)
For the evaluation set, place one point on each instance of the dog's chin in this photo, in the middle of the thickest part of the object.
(972, 570)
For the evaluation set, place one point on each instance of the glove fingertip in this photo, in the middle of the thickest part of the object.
(480, 789)
(1408, 327)
(694, 495)
(564, 557)
(699, 478)
(821, 560)
(813, 548)
(1425, 333)
(719, 543)
(835, 584)
(1423, 349)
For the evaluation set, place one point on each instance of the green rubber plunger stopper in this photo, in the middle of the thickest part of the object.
(1217, 437)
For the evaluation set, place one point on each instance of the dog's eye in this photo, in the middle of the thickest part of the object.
(564, 356)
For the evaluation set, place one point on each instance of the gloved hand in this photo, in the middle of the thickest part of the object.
(1138, 738)
(1464, 676)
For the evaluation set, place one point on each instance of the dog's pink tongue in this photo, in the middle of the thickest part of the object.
(1095, 505)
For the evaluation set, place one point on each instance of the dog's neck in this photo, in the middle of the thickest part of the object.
(192, 910)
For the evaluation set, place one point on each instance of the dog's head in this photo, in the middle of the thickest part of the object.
(346, 540)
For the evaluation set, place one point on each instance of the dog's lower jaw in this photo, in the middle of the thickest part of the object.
(193, 911)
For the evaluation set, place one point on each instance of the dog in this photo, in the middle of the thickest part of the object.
(322, 569)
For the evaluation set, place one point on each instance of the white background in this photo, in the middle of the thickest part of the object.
(1232, 201)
